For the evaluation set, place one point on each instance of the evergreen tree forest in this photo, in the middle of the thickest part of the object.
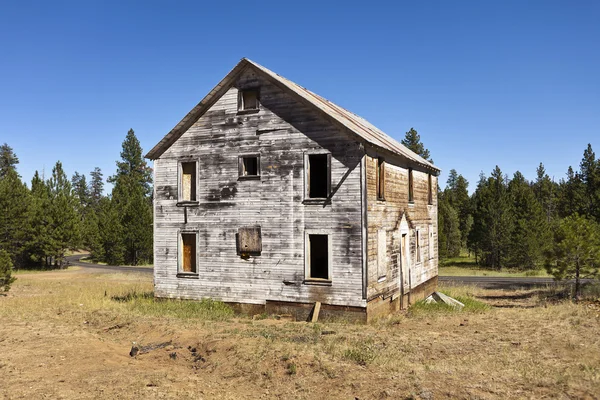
(41, 222)
(510, 222)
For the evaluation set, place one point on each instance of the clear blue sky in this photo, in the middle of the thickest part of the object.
(511, 83)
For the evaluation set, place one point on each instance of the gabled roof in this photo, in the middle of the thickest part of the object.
(343, 117)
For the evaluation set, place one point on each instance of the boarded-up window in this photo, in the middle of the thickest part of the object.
(380, 178)
(381, 254)
(248, 100)
(188, 256)
(318, 257)
(429, 190)
(411, 196)
(188, 181)
(418, 246)
(318, 175)
(431, 246)
(249, 240)
(249, 166)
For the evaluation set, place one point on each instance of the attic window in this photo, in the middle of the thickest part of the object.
(187, 181)
(318, 175)
(249, 166)
(248, 100)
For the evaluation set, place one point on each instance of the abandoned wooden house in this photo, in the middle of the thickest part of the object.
(272, 198)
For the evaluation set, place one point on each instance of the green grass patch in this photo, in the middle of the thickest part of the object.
(472, 305)
(466, 266)
(145, 303)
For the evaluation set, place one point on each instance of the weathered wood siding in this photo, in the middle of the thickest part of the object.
(386, 215)
(280, 133)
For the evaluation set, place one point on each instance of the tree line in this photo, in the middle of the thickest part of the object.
(41, 222)
(510, 222)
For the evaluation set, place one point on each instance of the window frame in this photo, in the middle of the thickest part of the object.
(380, 178)
(180, 272)
(241, 175)
(411, 186)
(418, 247)
(240, 106)
(431, 242)
(381, 268)
(429, 189)
(308, 280)
(180, 181)
(307, 198)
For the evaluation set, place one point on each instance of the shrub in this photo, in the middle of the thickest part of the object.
(6, 265)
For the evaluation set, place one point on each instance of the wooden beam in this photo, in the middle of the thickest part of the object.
(316, 310)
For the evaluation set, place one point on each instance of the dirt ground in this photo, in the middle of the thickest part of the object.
(68, 335)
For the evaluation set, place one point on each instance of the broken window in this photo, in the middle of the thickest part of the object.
(318, 176)
(188, 182)
(187, 255)
(248, 100)
(381, 255)
(249, 240)
(411, 197)
(318, 257)
(380, 178)
(429, 190)
(249, 166)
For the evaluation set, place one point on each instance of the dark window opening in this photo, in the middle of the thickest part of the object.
(319, 256)
(429, 190)
(188, 181)
(380, 178)
(188, 244)
(250, 166)
(318, 176)
(248, 100)
(411, 197)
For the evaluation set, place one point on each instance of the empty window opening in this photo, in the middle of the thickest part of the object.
(429, 190)
(248, 100)
(188, 181)
(411, 197)
(318, 175)
(380, 178)
(188, 252)
(250, 166)
(318, 256)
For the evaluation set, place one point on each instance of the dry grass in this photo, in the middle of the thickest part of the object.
(68, 334)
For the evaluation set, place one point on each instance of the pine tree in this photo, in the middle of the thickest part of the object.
(530, 234)
(576, 251)
(571, 195)
(81, 192)
(111, 249)
(449, 233)
(545, 193)
(412, 140)
(489, 237)
(131, 197)
(64, 219)
(6, 266)
(96, 187)
(14, 205)
(590, 177)
(8, 160)
(39, 245)
(458, 196)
